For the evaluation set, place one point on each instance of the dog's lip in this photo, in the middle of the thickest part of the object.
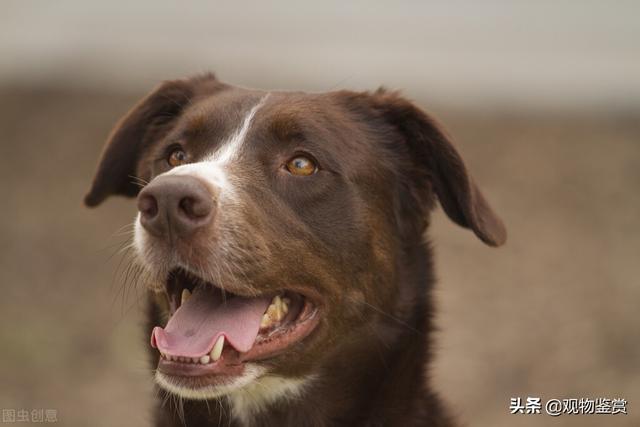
(278, 342)
(229, 365)
(232, 363)
(267, 345)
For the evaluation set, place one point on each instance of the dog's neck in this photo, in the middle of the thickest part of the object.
(371, 381)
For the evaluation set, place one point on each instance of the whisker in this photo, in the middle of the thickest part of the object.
(138, 180)
(387, 315)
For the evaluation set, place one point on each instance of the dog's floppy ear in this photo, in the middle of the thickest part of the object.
(128, 139)
(459, 196)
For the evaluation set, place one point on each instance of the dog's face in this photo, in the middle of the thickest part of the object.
(270, 224)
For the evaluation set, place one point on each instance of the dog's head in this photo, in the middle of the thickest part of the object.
(278, 226)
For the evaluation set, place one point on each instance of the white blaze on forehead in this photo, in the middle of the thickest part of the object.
(212, 168)
(211, 172)
(231, 147)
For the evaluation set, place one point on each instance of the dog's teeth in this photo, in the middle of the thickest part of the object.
(271, 311)
(205, 359)
(285, 305)
(275, 310)
(216, 352)
(186, 294)
(279, 310)
(266, 321)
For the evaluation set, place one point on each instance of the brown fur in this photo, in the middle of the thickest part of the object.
(353, 235)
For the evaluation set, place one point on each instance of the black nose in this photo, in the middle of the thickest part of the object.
(175, 205)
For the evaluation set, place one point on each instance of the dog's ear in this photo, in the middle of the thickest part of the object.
(130, 137)
(436, 156)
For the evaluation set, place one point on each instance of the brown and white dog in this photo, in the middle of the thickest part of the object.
(281, 235)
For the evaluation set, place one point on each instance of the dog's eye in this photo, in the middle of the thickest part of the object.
(301, 165)
(177, 157)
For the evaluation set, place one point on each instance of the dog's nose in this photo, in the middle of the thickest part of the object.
(175, 205)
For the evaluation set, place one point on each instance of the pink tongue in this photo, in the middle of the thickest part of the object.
(197, 324)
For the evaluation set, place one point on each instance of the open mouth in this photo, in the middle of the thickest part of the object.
(211, 332)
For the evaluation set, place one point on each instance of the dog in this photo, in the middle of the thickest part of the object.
(281, 236)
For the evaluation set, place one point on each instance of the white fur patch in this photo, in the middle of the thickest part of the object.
(230, 149)
(251, 373)
(247, 403)
(211, 172)
(138, 240)
(248, 395)
(213, 168)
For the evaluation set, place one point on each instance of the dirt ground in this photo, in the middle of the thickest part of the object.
(553, 314)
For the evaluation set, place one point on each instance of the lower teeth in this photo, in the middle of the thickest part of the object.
(213, 356)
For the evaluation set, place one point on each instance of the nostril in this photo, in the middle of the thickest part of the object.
(148, 206)
(194, 207)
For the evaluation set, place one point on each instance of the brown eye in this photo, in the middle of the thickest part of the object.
(302, 166)
(177, 157)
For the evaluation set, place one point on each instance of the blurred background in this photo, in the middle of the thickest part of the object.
(543, 99)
